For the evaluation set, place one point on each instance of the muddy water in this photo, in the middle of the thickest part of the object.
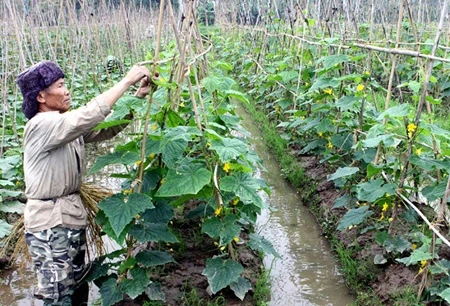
(307, 273)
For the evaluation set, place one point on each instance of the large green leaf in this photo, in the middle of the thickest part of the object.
(429, 164)
(445, 294)
(110, 292)
(155, 293)
(121, 210)
(261, 244)
(354, 216)
(162, 213)
(440, 267)
(241, 97)
(397, 244)
(120, 157)
(395, 111)
(332, 60)
(186, 179)
(226, 229)
(347, 103)
(374, 189)
(103, 221)
(173, 119)
(241, 287)
(422, 253)
(244, 186)
(108, 124)
(229, 148)
(137, 285)
(343, 172)
(388, 140)
(221, 273)
(147, 232)
(5, 229)
(124, 106)
(323, 82)
(12, 207)
(154, 258)
(173, 151)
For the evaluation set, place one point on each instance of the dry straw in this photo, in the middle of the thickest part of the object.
(90, 195)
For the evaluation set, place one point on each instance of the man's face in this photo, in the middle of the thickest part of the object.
(56, 97)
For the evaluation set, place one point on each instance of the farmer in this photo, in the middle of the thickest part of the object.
(54, 138)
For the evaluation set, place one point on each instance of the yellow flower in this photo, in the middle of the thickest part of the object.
(216, 243)
(382, 216)
(236, 239)
(218, 211)
(367, 73)
(385, 207)
(411, 129)
(414, 246)
(391, 219)
(138, 163)
(163, 181)
(328, 91)
(360, 87)
(154, 127)
(418, 151)
(330, 145)
(226, 167)
(235, 201)
(128, 191)
(222, 248)
(182, 104)
(423, 263)
(320, 134)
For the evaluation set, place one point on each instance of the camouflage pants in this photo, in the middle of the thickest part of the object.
(58, 257)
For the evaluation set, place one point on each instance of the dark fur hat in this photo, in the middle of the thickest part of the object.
(33, 80)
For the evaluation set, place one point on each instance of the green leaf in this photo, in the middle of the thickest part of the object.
(244, 186)
(155, 293)
(103, 221)
(227, 229)
(229, 148)
(241, 287)
(121, 210)
(445, 295)
(173, 119)
(124, 106)
(343, 201)
(373, 170)
(261, 244)
(331, 60)
(373, 190)
(187, 179)
(395, 111)
(354, 216)
(289, 75)
(108, 124)
(137, 285)
(440, 267)
(172, 151)
(154, 258)
(110, 292)
(152, 232)
(237, 95)
(162, 213)
(417, 255)
(379, 259)
(221, 273)
(429, 164)
(6, 183)
(343, 172)
(127, 264)
(5, 229)
(387, 139)
(397, 244)
(120, 157)
(414, 86)
(322, 83)
(12, 207)
(347, 103)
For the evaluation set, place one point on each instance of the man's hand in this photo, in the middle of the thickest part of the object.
(145, 85)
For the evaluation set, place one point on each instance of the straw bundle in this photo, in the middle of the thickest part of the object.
(90, 195)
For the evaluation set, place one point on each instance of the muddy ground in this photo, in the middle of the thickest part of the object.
(386, 280)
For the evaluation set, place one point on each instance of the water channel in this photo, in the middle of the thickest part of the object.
(307, 274)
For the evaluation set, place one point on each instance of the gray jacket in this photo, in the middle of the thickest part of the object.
(54, 163)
